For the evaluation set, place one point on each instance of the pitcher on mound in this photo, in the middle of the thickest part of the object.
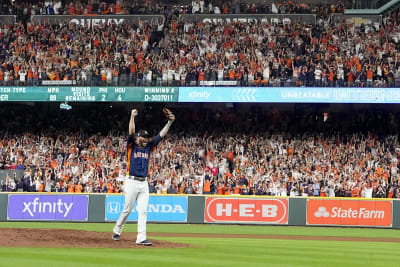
(136, 188)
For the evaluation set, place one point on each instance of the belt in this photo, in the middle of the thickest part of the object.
(137, 178)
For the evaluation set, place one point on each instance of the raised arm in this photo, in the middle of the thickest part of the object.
(171, 117)
(132, 122)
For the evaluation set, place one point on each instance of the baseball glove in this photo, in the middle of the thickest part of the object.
(168, 113)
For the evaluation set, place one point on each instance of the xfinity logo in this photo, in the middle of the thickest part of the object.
(337, 212)
(196, 94)
(47, 207)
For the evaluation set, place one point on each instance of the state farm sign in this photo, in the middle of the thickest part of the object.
(349, 212)
(243, 210)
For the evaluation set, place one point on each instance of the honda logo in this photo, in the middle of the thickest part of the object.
(114, 207)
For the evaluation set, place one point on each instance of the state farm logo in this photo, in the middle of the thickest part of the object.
(349, 212)
(246, 210)
(321, 212)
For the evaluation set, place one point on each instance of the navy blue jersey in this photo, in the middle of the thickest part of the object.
(138, 157)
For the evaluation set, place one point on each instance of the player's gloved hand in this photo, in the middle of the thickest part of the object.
(168, 113)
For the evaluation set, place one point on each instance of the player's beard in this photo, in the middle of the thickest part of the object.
(143, 142)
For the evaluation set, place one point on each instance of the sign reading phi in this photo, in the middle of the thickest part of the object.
(349, 212)
(241, 210)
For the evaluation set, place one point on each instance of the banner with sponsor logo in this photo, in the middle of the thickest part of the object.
(89, 94)
(357, 19)
(161, 208)
(58, 82)
(250, 18)
(218, 83)
(244, 210)
(349, 212)
(289, 95)
(94, 20)
(48, 207)
(8, 19)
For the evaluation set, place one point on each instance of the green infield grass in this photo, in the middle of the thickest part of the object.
(207, 251)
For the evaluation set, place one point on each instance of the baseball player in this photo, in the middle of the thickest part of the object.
(136, 186)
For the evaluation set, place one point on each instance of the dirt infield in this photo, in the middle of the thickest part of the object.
(11, 237)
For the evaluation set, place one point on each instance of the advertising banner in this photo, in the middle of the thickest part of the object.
(349, 212)
(93, 20)
(357, 19)
(250, 18)
(8, 19)
(161, 208)
(90, 94)
(58, 82)
(244, 210)
(48, 207)
(289, 95)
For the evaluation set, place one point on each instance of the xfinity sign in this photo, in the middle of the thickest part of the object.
(48, 207)
(51, 207)
(160, 209)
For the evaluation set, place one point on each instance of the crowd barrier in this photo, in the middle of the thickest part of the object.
(205, 209)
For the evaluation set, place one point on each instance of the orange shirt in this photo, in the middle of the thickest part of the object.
(370, 74)
(207, 187)
(181, 189)
(201, 75)
(78, 188)
(71, 189)
(355, 193)
(323, 194)
(227, 190)
(220, 190)
(110, 188)
(236, 190)
(41, 188)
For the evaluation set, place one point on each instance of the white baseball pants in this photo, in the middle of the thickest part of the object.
(135, 191)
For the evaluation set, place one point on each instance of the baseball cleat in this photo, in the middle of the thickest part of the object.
(144, 243)
(116, 237)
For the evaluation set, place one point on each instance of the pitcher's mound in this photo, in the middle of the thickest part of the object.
(12, 237)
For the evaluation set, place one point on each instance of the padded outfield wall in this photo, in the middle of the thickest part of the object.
(205, 209)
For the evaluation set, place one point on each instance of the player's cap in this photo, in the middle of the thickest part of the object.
(142, 133)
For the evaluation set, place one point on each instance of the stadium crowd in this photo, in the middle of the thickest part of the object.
(261, 151)
(126, 7)
(182, 53)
